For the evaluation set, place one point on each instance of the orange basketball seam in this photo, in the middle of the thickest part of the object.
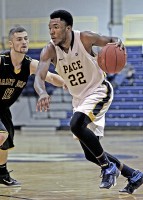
(105, 58)
(116, 60)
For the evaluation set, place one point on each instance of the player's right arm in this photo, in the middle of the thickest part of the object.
(47, 56)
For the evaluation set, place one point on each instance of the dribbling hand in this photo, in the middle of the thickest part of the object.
(120, 44)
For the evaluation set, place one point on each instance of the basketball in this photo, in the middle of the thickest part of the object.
(111, 59)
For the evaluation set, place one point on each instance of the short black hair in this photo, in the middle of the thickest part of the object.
(16, 29)
(63, 15)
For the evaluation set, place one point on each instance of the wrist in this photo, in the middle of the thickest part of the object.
(43, 94)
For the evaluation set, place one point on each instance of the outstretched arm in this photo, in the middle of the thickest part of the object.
(52, 78)
(55, 79)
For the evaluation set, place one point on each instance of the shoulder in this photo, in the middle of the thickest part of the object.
(48, 52)
(28, 58)
(4, 54)
(48, 49)
(90, 38)
(33, 66)
(34, 62)
(88, 35)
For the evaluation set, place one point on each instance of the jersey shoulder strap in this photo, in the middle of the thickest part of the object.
(28, 58)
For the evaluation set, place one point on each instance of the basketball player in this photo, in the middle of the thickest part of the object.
(15, 68)
(71, 52)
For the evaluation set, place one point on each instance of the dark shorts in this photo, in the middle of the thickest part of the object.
(7, 125)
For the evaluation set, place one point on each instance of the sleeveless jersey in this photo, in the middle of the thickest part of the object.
(78, 68)
(12, 84)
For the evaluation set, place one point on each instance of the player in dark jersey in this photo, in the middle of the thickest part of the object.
(15, 68)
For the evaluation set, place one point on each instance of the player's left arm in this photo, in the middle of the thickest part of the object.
(91, 38)
(52, 78)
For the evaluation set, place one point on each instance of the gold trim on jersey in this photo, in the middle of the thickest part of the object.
(5, 132)
(17, 71)
(100, 105)
(91, 115)
(28, 58)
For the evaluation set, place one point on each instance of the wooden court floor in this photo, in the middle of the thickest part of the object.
(51, 166)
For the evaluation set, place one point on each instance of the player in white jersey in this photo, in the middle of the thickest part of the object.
(78, 67)
(71, 53)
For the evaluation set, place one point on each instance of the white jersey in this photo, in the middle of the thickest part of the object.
(79, 69)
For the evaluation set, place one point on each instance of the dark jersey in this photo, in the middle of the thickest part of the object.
(12, 84)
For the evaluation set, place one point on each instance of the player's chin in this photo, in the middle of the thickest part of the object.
(57, 43)
(24, 51)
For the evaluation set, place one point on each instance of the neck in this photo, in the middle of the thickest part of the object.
(16, 58)
(66, 45)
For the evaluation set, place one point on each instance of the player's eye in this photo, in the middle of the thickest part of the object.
(56, 27)
(19, 39)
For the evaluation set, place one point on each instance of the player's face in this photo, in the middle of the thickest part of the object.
(58, 31)
(19, 42)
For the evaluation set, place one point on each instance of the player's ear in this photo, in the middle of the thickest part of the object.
(68, 27)
(10, 43)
